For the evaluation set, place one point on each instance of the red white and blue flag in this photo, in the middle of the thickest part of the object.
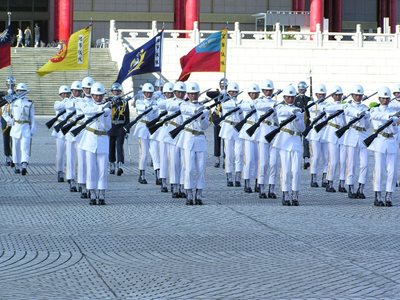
(208, 56)
(5, 46)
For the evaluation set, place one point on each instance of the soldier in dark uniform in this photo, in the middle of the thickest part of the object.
(6, 128)
(301, 101)
(223, 83)
(119, 118)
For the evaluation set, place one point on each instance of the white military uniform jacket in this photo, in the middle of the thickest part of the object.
(355, 135)
(262, 105)
(77, 104)
(333, 125)
(141, 130)
(23, 118)
(172, 106)
(228, 130)
(59, 106)
(193, 137)
(386, 141)
(95, 137)
(315, 111)
(161, 106)
(289, 138)
(247, 106)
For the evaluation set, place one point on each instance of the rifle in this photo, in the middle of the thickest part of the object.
(11, 98)
(309, 127)
(51, 122)
(128, 126)
(78, 129)
(162, 122)
(155, 120)
(114, 98)
(270, 136)
(174, 132)
(68, 127)
(368, 141)
(216, 121)
(250, 131)
(239, 125)
(63, 122)
(318, 101)
(321, 125)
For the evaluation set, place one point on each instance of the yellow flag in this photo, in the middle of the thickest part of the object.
(73, 57)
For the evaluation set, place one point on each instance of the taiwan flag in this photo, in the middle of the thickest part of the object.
(5, 46)
(208, 56)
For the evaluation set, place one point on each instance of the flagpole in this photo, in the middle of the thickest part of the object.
(10, 70)
(90, 44)
(161, 54)
(226, 52)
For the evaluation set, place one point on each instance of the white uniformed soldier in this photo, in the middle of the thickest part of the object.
(353, 140)
(267, 154)
(250, 166)
(95, 142)
(318, 147)
(6, 128)
(64, 92)
(147, 146)
(336, 149)
(288, 142)
(70, 141)
(175, 155)
(233, 144)
(194, 145)
(385, 147)
(23, 128)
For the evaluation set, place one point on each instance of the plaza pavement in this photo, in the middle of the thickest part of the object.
(145, 245)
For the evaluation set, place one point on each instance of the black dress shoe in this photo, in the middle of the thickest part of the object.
(286, 203)
(142, 180)
(101, 202)
(295, 202)
(271, 195)
(8, 163)
(216, 165)
(59, 179)
(324, 184)
(17, 171)
(189, 202)
(158, 181)
(388, 203)
(120, 172)
(342, 189)
(182, 195)
(262, 195)
(257, 189)
(12, 165)
(248, 190)
(73, 189)
(23, 172)
(330, 189)
(84, 195)
(164, 189)
(229, 183)
(360, 195)
(352, 195)
(198, 202)
(112, 172)
(176, 195)
(92, 202)
(237, 183)
(306, 165)
(379, 203)
(314, 184)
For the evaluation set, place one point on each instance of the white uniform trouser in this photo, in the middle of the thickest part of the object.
(96, 170)
(290, 165)
(267, 157)
(148, 147)
(70, 154)
(250, 160)
(60, 154)
(319, 151)
(175, 164)
(233, 155)
(387, 162)
(81, 157)
(351, 164)
(163, 160)
(337, 155)
(195, 166)
(21, 149)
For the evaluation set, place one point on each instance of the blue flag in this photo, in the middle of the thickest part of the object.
(145, 59)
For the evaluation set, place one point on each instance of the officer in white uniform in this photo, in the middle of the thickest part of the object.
(6, 128)
(250, 144)
(288, 142)
(233, 144)
(194, 145)
(318, 147)
(175, 155)
(353, 140)
(70, 141)
(336, 149)
(64, 92)
(147, 146)
(385, 147)
(23, 128)
(267, 153)
(96, 142)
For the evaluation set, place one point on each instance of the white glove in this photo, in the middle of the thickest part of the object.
(10, 123)
(106, 105)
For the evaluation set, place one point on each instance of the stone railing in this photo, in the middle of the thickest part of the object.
(277, 38)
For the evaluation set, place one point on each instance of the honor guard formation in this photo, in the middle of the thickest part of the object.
(256, 137)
